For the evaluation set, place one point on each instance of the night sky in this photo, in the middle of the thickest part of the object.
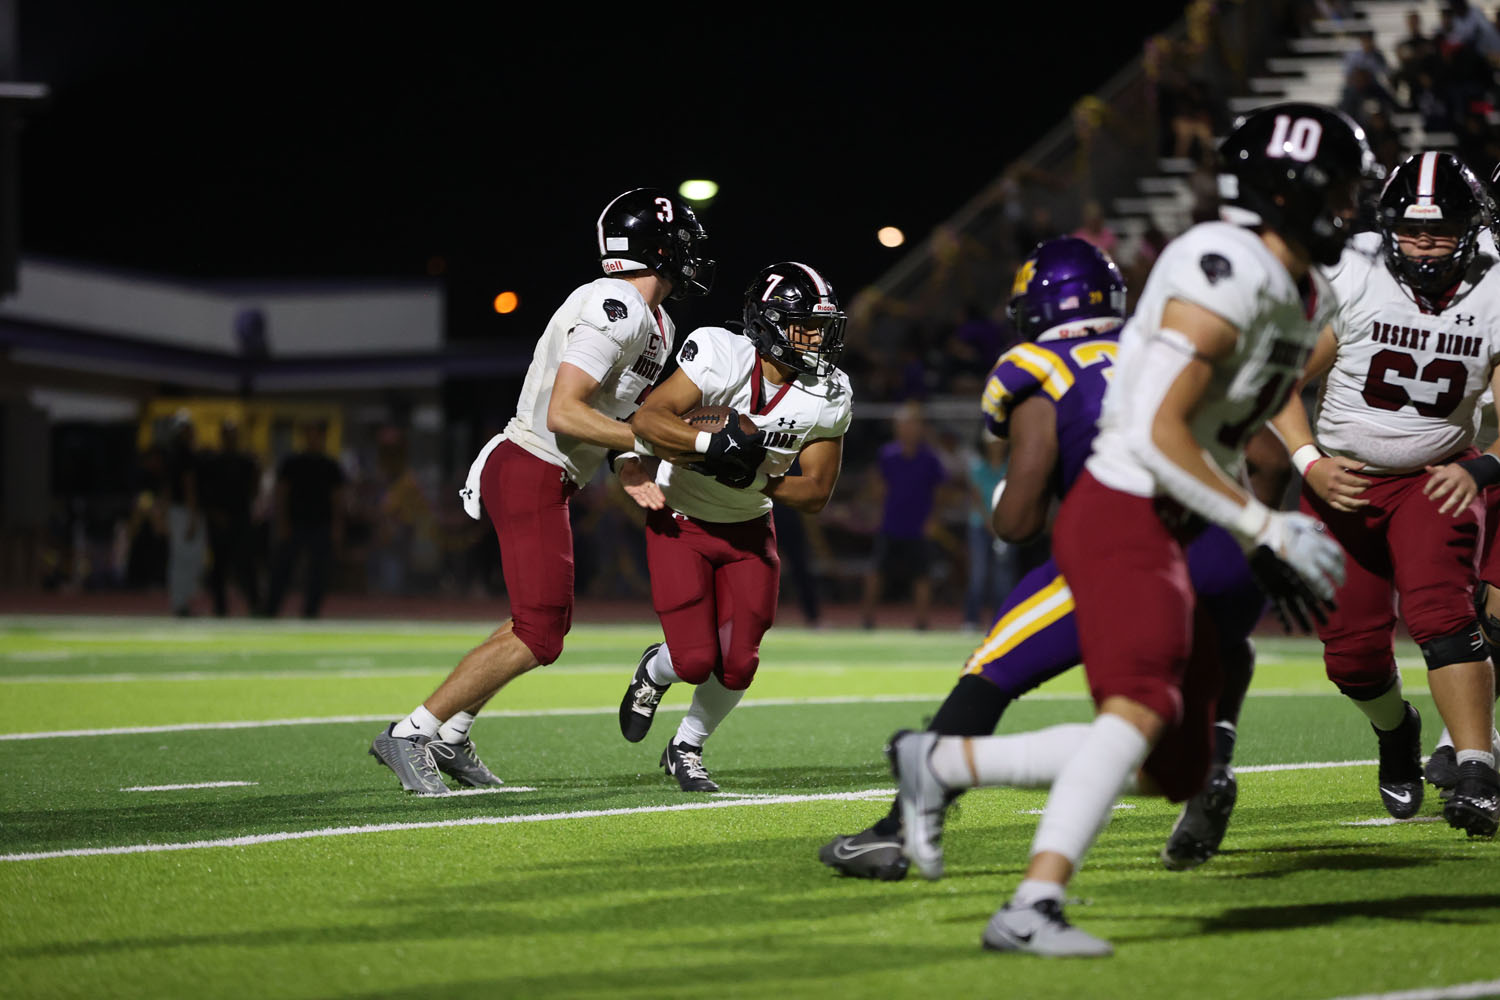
(234, 140)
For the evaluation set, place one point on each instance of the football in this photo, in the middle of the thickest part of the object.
(712, 418)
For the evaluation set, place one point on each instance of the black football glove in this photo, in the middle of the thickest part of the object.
(1294, 602)
(732, 449)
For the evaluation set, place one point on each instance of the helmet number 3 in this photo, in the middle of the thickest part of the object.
(1297, 139)
(771, 283)
(665, 206)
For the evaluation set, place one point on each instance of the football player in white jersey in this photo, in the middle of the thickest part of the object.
(600, 355)
(1396, 478)
(1224, 326)
(712, 548)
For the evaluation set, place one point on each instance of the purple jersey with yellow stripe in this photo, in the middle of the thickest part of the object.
(1070, 373)
(1035, 637)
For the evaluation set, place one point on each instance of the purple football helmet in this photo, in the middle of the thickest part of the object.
(1064, 281)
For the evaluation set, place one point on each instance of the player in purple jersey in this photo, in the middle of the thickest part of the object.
(1043, 396)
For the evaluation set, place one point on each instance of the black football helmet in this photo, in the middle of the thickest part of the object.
(788, 293)
(648, 229)
(1434, 193)
(1297, 168)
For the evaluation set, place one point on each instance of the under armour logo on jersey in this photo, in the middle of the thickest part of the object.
(615, 310)
(690, 350)
(785, 422)
(1215, 266)
(1466, 320)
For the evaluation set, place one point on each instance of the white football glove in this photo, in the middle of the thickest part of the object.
(1299, 566)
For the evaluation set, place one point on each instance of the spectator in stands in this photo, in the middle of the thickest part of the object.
(1471, 29)
(795, 549)
(1095, 230)
(1036, 228)
(230, 481)
(910, 472)
(1382, 135)
(308, 520)
(1367, 57)
(1361, 88)
(186, 537)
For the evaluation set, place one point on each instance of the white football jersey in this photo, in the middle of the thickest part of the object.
(725, 367)
(1229, 271)
(1406, 384)
(623, 344)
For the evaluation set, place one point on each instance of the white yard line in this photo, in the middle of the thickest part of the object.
(346, 831)
(200, 784)
(1310, 766)
(1459, 991)
(1392, 821)
(891, 699)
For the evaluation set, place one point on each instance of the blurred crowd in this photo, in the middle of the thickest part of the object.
(918, 473)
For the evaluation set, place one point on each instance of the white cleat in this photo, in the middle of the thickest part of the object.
(1041, 929)
(924, 800)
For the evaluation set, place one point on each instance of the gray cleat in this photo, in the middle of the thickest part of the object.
(411, 758)
(923, 799)
(461, 761)
(865, 854)
(1041, 929)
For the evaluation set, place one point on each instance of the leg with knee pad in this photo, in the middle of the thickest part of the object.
(1466, 645)
(1362, 667)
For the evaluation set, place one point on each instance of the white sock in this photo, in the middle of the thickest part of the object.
(1445, 740)
(1033, 890)
(1022, 760)
(1085, 792)
(419, 721)
(1386, 712)
(712, 701)
(1484, 755)
(659, 667)
(456, 729)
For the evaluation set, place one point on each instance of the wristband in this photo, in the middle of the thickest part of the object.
(643, 447)
(1304, 457)
(616, 457)
(1252, 520)
(1485, 469)
(700, 444)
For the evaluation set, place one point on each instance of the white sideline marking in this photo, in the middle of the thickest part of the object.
(1390, 821)
(486, 791)
(1040, 812)
(1314, 765)
(345, 831)
(891, 699)
(1458, 991)
(200, 784)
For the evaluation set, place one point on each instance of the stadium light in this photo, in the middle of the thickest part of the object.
(890, 236)
(507, 302)
(698, 191)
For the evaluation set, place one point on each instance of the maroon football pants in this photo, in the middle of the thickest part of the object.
(527, 501)
(1400, 546)
(714, 587)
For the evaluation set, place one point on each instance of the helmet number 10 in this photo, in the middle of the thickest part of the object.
(1298, 139)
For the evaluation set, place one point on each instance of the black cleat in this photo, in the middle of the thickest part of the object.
(684, 762)
(1200, 828)
(1474, 806)
(1401, 766)
(638, 707)
(1442, 769)
(865, 854)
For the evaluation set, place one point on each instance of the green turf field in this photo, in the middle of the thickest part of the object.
(313, 875)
